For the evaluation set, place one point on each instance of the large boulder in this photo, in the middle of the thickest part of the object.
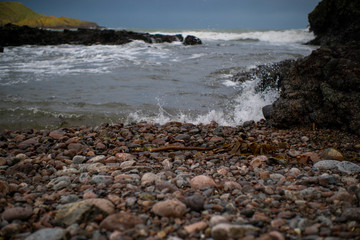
(335, 20)
(322, 88)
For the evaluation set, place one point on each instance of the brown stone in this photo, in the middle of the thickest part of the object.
(202, 181)
(17, 213)
(332, 154)
(120, 221)
(169, 208)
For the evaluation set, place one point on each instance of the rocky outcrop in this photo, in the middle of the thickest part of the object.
(323, 88)
(335, 21)
(11, 35)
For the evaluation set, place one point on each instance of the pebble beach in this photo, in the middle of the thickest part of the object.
(179, 181)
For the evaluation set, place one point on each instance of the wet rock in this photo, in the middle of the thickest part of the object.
(192, 40)
(120, 222)
(48, 234)
(332, 154)
(20, 213)
(202, 181)
(169, 208)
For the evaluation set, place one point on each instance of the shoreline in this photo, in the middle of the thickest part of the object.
(106, 183)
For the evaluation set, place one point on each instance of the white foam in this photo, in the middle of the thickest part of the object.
(279, 36)
(246, 106)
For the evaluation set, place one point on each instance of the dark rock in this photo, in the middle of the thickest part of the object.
(335, 20)
(322, 89)
(12, 35)
(195, 202)
(1, 49)
(192, 40)
(267, 111)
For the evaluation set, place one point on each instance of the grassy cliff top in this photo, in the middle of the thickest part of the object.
(18, 14)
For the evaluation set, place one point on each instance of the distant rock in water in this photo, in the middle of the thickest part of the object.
(192, 40)
(12, 35)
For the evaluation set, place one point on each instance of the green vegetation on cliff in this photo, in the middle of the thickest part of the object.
(18, 14)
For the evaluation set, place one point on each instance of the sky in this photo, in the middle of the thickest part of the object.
(194, 14)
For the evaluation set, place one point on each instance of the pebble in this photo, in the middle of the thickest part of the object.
(202, 181)
(169, 208)
(332, 154)
(48, 234)
(344, 166)
(195, 202)
(120, 222)
(148, 178)
(21, 213)
(231, 231)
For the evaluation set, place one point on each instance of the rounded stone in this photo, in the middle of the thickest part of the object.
(332, 154)
(169, 208)
(201, 181)
(17, 213)
(48, 234)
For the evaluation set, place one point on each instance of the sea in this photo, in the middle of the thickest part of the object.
(50, 87)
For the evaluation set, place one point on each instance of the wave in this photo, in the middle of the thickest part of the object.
(270, 36)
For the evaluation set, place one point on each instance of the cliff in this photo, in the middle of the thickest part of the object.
(18, 14)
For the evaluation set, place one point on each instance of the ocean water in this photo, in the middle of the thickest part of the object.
(67, 85)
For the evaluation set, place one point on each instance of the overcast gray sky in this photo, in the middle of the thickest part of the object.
(226, 14)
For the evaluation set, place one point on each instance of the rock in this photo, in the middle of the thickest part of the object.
(78, 159)
(344, 166)
(127, 164)
(348, 167)
(267, 111)
(202, 181)
(4, 188)
(17, 213)
(23, 35)
(192, 40)
(198, 226)
(104, 204)
(258, 161)
(83, 211)
(48, 234)
(195, 202)
(57, 135)
(318, 90)
(226, 231)
(76, 213)
(335, 21)
(169, 208)
(350, 214)
(96, 159)
(214, 220)
(332, 154)
(148, 178)
(120, 222)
